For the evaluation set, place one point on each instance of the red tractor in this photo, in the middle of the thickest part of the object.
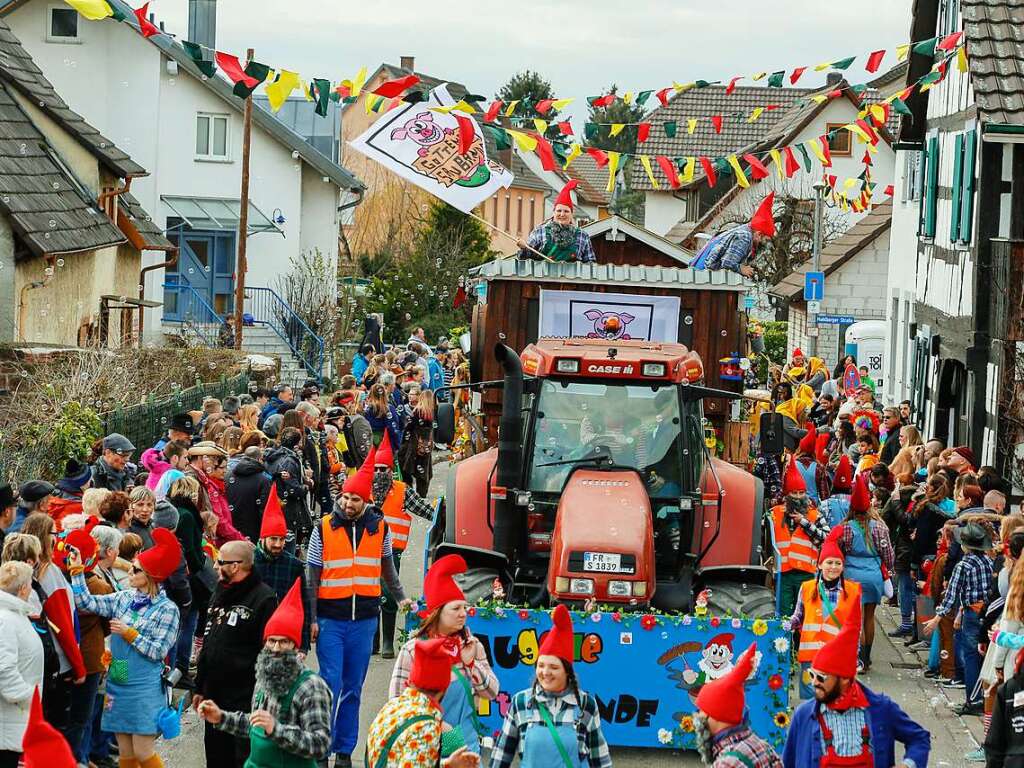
(601, 487)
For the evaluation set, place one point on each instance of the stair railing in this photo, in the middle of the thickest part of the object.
(196, 315)
(267, 308)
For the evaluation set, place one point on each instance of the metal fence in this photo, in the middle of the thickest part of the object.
(144, 424)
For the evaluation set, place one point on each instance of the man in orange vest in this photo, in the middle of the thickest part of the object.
(798, 534)
(398, 502)
(350, 552)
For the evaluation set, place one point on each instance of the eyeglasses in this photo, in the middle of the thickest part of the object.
(817, 677)
(282, 643)
(222, 563)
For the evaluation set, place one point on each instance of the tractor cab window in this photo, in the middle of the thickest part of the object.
(638, 426)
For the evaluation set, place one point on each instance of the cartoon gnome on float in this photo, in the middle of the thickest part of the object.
(716, 661)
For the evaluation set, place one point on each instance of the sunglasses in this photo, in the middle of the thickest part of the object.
(222, 563)
(817, 677)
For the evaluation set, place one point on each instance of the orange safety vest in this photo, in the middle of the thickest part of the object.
(819, 627)
(399, 521)
(346, 573)
(796, 551)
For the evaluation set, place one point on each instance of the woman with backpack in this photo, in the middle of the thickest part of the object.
(417, 447)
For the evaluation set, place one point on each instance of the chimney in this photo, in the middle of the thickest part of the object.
(408, 63)
(833, 79)
(202, 24)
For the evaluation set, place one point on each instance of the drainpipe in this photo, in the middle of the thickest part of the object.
(51, 262)
(113, 194)
(341, 227)
(171, 261)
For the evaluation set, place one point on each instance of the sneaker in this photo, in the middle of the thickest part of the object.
(860, 666)
(954, 684)
(975, 756)
(970, 708)
(902, 631)
(919, 645)
(931, 674)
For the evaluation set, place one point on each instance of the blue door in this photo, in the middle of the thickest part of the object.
(200, 287)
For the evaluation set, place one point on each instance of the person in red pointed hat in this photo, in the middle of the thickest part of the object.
(43, 746)
(835, 508)
(735, 248)
(143, 629)
(847, 724)
(721, 724)
(870, 557)
(799, 531)
(349, 554)
(555, 696)
(814, 473)
(277, 567)
(445, 617)
(558, 238)
(298, 733)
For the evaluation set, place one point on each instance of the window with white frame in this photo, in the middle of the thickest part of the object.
(62, 24)
(212, 136)
(912, 177)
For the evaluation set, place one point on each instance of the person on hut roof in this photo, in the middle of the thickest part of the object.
(559, 238)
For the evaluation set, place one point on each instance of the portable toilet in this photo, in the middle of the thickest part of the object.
(865, 340)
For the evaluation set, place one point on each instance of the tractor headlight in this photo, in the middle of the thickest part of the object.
(654, 369)
(567, 365)
(581, 586)
(620, 588)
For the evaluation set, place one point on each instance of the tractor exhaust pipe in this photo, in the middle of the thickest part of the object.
(510, 452)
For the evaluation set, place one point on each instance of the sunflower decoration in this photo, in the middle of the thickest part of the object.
(686, 723)
(759, 627)
(781, 720)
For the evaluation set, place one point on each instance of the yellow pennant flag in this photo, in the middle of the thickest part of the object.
(94, 10)
(613, 168)
(777, 159)
(540, 125)
(691, 125)
(616, 129)
(279, 90)
(902, 51)
(961, 59)
(628, 98)
(759, 76)
(645, 161)
(823, 66)
(464, 106)
(819, 99)
(511, 108)
(741, 177)
(304, 87)
(371, 101)
(687, 175)
(861, 133)
(815, 146)
(561, 103)
(844, 203)
(758, 111)
(878, 113)
(358, 83)
(848, 184)
(680, 88)
(525, 141)
(574, 152)
(872, 148)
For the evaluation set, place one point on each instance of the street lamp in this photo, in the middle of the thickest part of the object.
(820, 190)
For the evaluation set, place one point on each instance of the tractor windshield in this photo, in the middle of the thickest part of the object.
(637, 426)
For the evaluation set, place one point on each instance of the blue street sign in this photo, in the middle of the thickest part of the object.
(748, 302)
(824, 319)
(814, 286)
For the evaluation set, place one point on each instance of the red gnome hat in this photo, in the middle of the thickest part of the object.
(361, 483)
(793, 482)
(842, 480)
(43, 745)
(821, 448)
(273, 516)
(809, 441)
(798, 353)
(839, 655)
(559, 641)
(289, 617)
(762, 221)
(565, 196)
(439, 585)
(163, 558)
(385, 455)
(860, 499)
(432, 662)
(724, 698)
(86, 546)
(830, 548)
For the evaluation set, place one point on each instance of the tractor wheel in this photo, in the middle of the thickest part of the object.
(477, 584)
(728, 598)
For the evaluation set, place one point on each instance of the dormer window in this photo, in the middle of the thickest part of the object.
(62, 25)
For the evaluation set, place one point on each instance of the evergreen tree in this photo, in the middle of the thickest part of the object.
(617, 112)
(527, 87)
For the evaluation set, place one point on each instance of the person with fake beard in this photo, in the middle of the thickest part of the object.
(848, 724)
(398, 502)
(559, 238)
(290, 722)
(278, 567)
(798, 533)
(724, 737)
(349, 554)
(239, 611)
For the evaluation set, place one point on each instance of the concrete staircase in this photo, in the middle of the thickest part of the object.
(260, 340)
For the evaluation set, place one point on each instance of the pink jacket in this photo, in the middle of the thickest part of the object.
(153, 461)
(226, 530)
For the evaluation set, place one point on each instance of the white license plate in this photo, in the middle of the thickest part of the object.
(602, 562)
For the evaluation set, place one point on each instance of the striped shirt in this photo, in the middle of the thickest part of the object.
(740, 747)
(847, 729)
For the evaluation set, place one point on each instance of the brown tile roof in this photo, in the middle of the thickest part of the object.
(152, 237)
(839, 251)
(593, 180)
(995, 39)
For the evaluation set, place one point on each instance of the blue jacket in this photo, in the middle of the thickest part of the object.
(435, 373)
(271, 407)
(887, 722)
(359, 366)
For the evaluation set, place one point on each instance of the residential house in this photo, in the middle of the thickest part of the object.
(150, 97)
(592, 198)
(71, 235)
(961, 333)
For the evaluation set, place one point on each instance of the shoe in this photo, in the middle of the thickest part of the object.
(387, 630)
(342, 761)
(975, 756)
(931, 674)
(860, 666)
(970, 708)
(901, 631)
(919, 645)
(954, 685)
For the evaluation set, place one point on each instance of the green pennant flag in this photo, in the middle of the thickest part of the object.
(858, 89)
(500, 136)
(642, 97)
(320, 90)
(590, 131)
(335, 96)
(670, 129)
(807, 158)
(350, 100)
(899, 106)
(843, 63)
(701, 84)
(256, 71)
(204, 65)
(932, 77)
(117, 15)
(775, 79)
(926, 47)
(722, 166)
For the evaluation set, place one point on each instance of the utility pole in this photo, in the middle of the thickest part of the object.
(819, 204)
(243, 215)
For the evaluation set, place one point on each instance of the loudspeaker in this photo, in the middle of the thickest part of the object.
(771, 433)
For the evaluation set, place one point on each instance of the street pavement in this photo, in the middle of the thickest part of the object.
(896, 672)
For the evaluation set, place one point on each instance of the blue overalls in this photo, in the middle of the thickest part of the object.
(135, 692)
(540, 750)
(459, 709)
(810, 476)
(864, 565)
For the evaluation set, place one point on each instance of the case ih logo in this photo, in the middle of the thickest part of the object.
(610, 369)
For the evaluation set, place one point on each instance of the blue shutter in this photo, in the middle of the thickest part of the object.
(931, 195)
(956, 187)
(967, 195)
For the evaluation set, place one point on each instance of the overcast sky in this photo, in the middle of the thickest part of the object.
(580, 47)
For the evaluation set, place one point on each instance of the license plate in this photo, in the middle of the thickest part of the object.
(602, 562)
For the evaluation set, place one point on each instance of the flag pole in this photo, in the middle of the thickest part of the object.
(241, 264)
(509, 235)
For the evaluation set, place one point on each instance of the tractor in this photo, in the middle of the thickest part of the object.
(601, 487)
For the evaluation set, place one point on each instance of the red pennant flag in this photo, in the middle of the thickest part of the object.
(663, 96)
(393, 88)
(868, 130)
(834, 94)
(565, 127)
(643, 130)
(493, 110)
(826, 151)
(770, 107)
(757, 169)
(889, 190)
(906, 93)
(604, 101)
(670, 171)
(459, 298)
(544, 152)
(232, 67)
(716, 120)
(832, 181)
(732, 85)
(867, 158)
(709, 171)
(792, 166)
(949, 42)
(796, 75)
(543, 106)
(466, 133)
(146, 27)
(599, 157)
(875, 61)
